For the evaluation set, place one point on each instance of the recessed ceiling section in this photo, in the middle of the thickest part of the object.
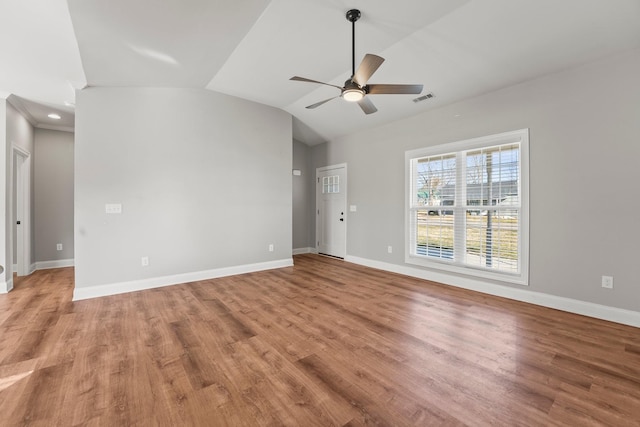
(171, 43)
(42, 114)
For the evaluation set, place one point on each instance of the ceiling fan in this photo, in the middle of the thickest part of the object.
(356, 88)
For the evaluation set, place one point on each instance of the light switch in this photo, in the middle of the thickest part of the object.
(353, 208)
(113, 208)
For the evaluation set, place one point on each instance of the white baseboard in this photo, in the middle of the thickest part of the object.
(5, 287)
(300, 251)
(80, 293)
(598, 311)
(45, 265)
(32, 268)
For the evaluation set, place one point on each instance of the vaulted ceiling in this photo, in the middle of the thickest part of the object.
(456, 48)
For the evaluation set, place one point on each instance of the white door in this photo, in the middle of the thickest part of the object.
(331, 214)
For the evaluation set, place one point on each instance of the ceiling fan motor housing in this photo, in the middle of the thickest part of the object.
(350, 84)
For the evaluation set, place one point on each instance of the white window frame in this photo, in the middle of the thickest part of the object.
(457, 266)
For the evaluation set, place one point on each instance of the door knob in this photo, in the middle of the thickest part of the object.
(341, 219)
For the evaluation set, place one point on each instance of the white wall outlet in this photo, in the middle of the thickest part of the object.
(271, 247)
(353, 208)
(59, 247)
(113, 208)
(389, 249)
(607, 282)
(144, 261)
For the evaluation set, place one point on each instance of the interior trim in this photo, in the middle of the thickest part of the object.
(301, 251)
(45, 265)
(5, 287)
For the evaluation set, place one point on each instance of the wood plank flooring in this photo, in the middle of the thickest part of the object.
(323, 343)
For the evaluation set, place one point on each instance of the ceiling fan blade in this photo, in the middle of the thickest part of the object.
(367, 67)
(367, 106)
(302, 79)
(317, 104)
(394, 89)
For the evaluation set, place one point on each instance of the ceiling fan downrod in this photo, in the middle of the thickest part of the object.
(352, 16)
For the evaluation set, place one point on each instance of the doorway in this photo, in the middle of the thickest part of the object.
(331, 204)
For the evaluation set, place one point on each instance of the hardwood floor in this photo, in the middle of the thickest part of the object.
(324, 343)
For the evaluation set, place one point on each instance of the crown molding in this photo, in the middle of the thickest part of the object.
(16, 102)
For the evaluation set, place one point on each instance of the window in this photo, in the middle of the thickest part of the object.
(330, 184)
(467, 207)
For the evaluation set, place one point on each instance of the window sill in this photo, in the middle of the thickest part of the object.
(469, 271)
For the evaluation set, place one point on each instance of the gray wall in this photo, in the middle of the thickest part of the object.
(53, 189)
(303, 197)
(584, 148)
(204, 180)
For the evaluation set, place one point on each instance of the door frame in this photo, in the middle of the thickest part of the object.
(21, 161)
(319, 196)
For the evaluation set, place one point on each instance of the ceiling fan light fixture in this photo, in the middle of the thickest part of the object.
(353, 94)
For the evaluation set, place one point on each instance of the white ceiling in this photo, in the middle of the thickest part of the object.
(250, 48)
